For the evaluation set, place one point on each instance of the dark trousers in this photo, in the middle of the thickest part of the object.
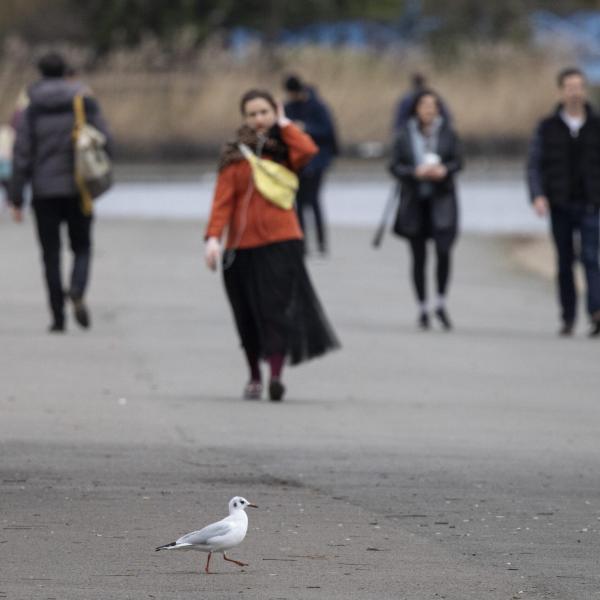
(569, 226)
(418, 246)
(50, 214)
(308, 199)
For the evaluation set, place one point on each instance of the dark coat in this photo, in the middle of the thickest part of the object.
(43, 150)
(318, 123)
(443, 205)
(550, 164)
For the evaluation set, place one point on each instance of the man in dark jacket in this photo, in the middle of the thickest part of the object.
(44, 157)
(564, 181)
(307, 110)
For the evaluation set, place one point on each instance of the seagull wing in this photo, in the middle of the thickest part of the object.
(204, 536)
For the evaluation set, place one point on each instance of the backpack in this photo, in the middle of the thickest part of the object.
(93, 167)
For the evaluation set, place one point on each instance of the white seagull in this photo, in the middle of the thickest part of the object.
(220, 536)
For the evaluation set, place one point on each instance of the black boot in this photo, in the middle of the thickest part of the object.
(566, 329)
(423, 321)
(57, 327)
(276, 390)
(443, 318)
(80, 310)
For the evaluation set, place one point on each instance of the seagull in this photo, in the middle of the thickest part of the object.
(220, 536)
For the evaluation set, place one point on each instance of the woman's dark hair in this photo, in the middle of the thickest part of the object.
(253, 95)
(52, 65)
(419, 96)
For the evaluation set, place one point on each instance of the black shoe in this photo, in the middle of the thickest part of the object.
(423, 321)
(276, 390)
(56, 327)
(595, 330)
(443, 318)
(82, 315)
(567, 329)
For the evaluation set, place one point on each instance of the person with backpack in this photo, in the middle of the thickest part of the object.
(276, 311)
(44, 156)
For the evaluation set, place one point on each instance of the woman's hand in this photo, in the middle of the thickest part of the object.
(438, 172)
(422, 172)
(431, 172)
(282, 120)
(541, 206)
(212, 253)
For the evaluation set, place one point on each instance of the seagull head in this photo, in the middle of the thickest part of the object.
(238, 503)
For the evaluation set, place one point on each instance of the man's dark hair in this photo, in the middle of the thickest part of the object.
(418, 81)
(52, 65)
(568, 72)
(293, 83)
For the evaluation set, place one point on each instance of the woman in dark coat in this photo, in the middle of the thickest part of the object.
(425, 158)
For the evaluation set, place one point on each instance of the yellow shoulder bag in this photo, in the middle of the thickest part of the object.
(276, 183)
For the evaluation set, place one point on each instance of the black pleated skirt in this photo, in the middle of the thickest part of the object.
(275, 307)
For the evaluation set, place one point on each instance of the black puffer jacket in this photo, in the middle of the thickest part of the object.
(43, 151)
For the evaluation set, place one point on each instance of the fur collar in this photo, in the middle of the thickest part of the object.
(270, 145)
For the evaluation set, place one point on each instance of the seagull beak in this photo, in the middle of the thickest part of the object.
(252, 505)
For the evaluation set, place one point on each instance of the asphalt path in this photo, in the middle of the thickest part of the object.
(408, 464)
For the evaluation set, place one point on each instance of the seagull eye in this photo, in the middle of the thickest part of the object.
(242, 502)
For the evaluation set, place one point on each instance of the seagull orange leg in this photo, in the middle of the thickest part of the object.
(237, 562)
(208, 563)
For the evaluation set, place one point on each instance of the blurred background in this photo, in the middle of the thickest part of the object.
(169, 76)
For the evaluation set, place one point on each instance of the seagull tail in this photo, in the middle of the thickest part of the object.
(166, 546)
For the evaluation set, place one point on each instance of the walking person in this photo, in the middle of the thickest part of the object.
(564, 181)
(311, 114)
(44, 157)
(425, 160)
(276, 311)
(7, 142)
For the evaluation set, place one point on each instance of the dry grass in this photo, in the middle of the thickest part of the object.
(492, 91)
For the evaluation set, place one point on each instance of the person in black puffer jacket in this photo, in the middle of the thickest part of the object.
(563, 173)
(44, 156)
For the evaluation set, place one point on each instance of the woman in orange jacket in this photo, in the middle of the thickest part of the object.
(276, 311)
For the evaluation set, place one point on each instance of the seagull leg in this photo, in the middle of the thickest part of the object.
(208, 563)
(237, 562)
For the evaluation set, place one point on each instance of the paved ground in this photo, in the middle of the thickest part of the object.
(408, 465)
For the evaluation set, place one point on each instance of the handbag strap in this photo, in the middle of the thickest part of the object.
(79, 111)
(86, 197)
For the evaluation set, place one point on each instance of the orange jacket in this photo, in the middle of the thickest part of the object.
(250, 219)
